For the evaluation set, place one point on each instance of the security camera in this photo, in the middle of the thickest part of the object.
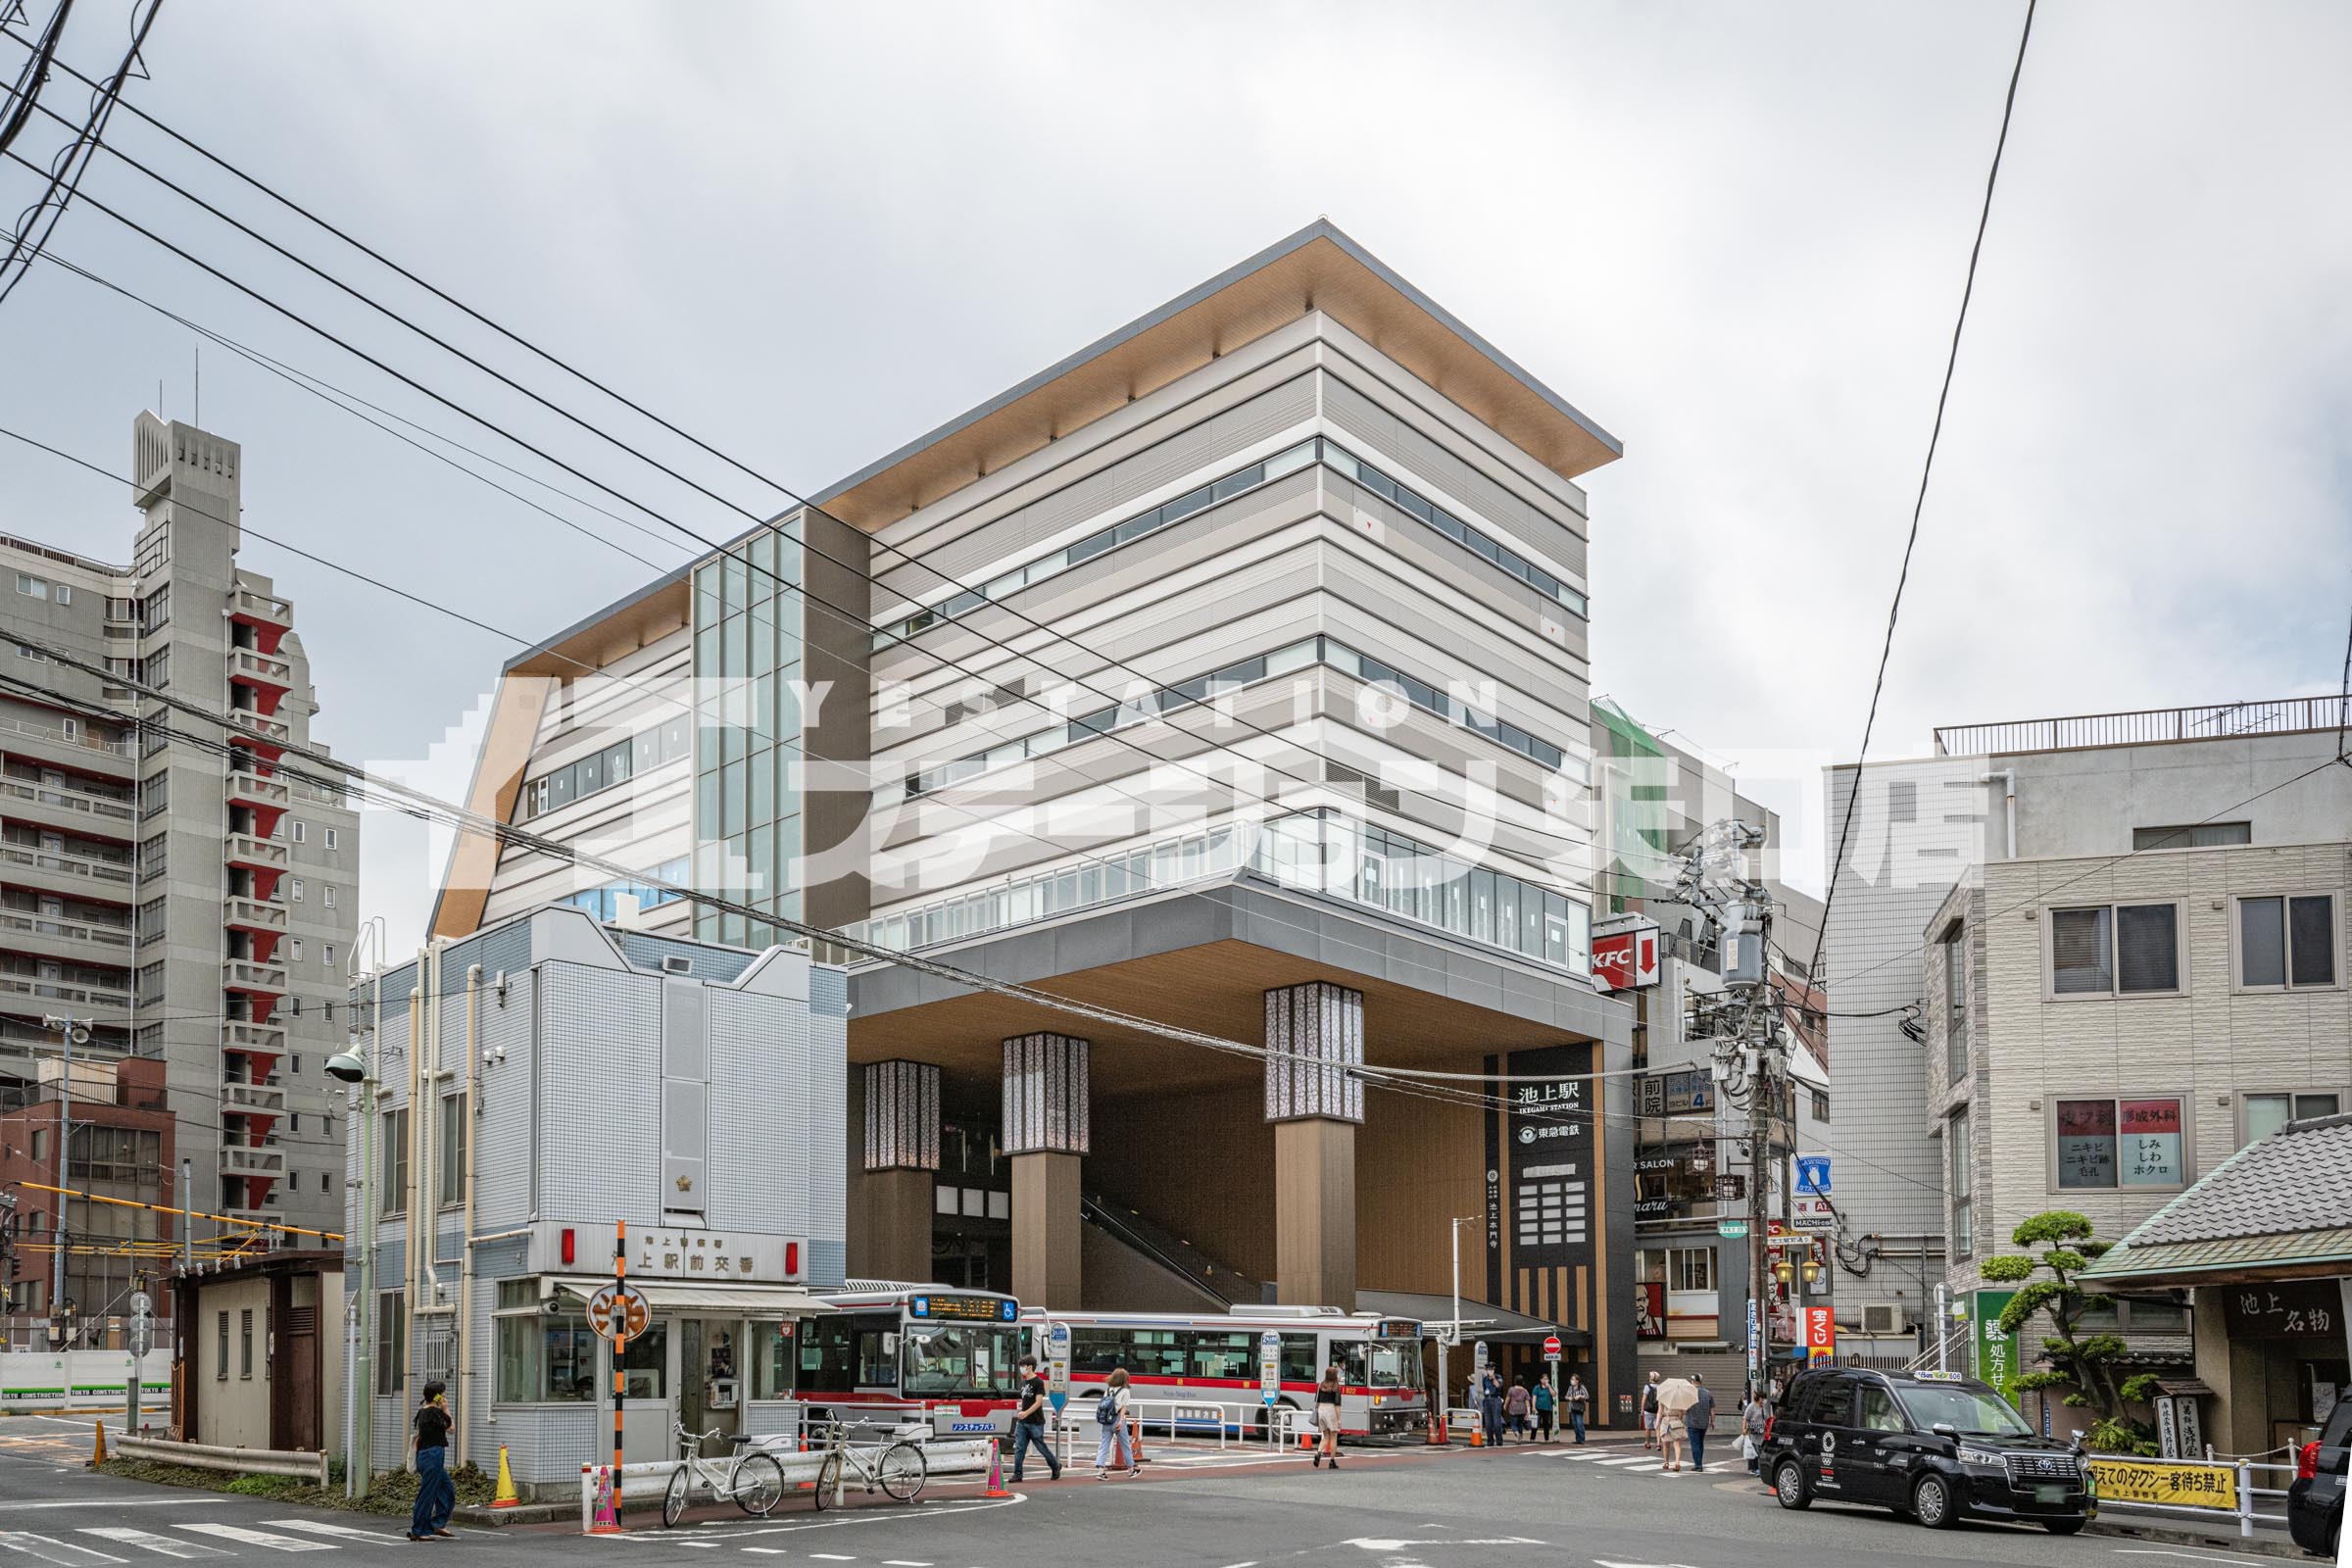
(346, 1066)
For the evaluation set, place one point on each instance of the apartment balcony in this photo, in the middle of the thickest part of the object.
(249, 853)
(269, 617)
(243, 1160)
(267, 796)
(51, 743)
(254, 1039)
(253, 1099)
(261, 727)
(19, 988)
(250, 666)
(75, 875)
(251, 977)
(73, 940)
(68, 809)
(255, 917)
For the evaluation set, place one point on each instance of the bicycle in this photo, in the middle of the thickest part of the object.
(897, 1466)
(753, 1479)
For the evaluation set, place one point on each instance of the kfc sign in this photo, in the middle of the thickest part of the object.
(1623, 960)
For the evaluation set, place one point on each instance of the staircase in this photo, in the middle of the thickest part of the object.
(1146, 1261)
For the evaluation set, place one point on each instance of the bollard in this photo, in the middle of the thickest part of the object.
(2245, 1500)
(98, 1454)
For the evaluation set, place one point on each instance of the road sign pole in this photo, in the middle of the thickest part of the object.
(620, 1343)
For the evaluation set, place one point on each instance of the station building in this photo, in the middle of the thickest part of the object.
(1230, 674)
(534, 1087)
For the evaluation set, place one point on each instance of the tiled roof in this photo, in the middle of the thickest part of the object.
(2285, 1198)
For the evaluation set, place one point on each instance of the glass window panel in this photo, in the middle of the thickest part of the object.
(559, 791)
(1094, 544)
(1137, 527)
(1446, 524)
(1185, 505)
(2265, 1114)
(2311, 939)
(2262, 942)
(759, 860)
(1296, 458)
(706, 595)
(2147, 950)
(1379, 483)
(1233, 485)
(588, 774)
(1415, 505)
(1010, 584)
(2085, 1143)
(2148, 1144)
(735, 645)
(963, 604)
(646, 751)
(1506, 910)
(761, 550)
(677, 737)
(736, 579)
(1340, 460)
(2079, 952)
(706, 803)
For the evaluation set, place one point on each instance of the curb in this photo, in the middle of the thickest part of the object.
(2260, 1545)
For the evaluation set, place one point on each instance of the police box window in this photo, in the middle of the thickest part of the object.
(2124, 1142)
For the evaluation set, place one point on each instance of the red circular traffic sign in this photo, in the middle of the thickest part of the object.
(1551, 1348)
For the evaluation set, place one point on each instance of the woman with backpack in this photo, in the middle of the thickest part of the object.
(1327, 1418)
(1110, 1428)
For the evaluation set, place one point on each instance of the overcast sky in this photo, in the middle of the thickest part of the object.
(1734, 236)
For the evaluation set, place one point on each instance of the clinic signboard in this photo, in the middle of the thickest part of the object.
(1995, 1351)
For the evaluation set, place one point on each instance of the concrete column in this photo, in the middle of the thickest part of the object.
(1314, 1033)
(1047, 1134)
(890, 1224)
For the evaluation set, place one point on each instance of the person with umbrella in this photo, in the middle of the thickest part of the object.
(1676, 1396)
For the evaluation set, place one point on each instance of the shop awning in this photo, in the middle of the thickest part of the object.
(1481, 1320)
(742, 1299)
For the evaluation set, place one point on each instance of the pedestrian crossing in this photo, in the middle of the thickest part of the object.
(107, 1546)
(1642, 1462)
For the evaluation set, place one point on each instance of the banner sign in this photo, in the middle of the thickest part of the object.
(2287, 1311)
(1625, 959)
(2170, 1482)
(1996, 1353)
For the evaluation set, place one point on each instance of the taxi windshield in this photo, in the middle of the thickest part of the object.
(1379, 1363)
(1970, 1412)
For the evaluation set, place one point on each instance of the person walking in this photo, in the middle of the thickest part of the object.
(1577, 1397)
(1112, 1441)
(1754, 1417)
(1327, 1419)
(1029, 1422)
(1697, 1418)
(1651, 1438)
(1517, 1404)
(436, 1493)
(1546, 1403)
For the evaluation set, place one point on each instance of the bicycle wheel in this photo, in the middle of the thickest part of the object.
(758, 1483)
(828, 1477)
(673, 1500)
(903, 1471)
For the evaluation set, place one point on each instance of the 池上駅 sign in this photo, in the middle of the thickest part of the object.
(2173, 1483)
(1625, 959)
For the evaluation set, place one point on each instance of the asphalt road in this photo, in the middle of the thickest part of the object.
(1410, 1510)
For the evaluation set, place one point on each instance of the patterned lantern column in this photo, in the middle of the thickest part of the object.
(1314, 1036)
(1045, 1132)
(891, 1211)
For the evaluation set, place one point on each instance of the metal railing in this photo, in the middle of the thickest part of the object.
(65, 864)
(2285, 716)
(58, 737)
(58, 991)
(42, 925)
(66, 800)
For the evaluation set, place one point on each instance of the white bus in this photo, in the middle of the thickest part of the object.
(1214, 1360)
(934, 1353)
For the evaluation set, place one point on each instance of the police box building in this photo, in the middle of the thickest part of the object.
(534, 1087)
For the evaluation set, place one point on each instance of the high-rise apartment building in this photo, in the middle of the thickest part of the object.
(1232, 671)
(169, 885)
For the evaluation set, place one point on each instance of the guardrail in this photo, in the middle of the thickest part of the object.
(2209, 1490)
(242, 1461)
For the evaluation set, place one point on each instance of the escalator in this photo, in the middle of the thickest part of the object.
(1131, 1264)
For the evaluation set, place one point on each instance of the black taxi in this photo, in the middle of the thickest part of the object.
(1936, 1446)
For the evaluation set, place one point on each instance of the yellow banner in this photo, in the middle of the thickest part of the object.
(2163, 1480)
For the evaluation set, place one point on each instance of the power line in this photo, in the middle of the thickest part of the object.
(71, 161)
(36, 75)
(1926, 471)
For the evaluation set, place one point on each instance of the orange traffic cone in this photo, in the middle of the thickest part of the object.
(1478, 1437)
(995, 1473)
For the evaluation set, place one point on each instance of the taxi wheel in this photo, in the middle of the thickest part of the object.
(1789, 1485)
(2064, 1527)
(1931, 1503)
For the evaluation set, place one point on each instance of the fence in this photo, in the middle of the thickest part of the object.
(2210, 1490)
(299, 1462)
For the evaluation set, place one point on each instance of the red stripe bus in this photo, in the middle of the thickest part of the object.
(933, 1353)
(1214, 1360)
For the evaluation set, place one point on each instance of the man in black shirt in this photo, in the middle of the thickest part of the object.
(436, 1493)
(1029, 1421)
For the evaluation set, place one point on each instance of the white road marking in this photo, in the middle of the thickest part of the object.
(1637, 1459)
(74, 1556)
(944, 1509)
(320, 1527)
(1605, 1564)
(162, 1545)
(766, 1552)
(130, 1502)
(2193, 1556)
(257, 1538)
(832, 1556)
(899, 1562)
(1375, 1544)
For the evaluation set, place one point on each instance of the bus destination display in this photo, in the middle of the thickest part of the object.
(963, 1308)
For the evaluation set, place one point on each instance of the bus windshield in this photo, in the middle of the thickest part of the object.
(961, 1358)
(1378, 1363)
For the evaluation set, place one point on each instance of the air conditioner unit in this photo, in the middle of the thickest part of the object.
(676, 963)
(1882, 1317)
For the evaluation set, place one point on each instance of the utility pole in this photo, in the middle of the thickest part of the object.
(71, 1032)
(1751, 1066)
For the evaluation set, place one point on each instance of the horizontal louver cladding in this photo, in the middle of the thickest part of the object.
(1242, 480)
(1168, 700)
